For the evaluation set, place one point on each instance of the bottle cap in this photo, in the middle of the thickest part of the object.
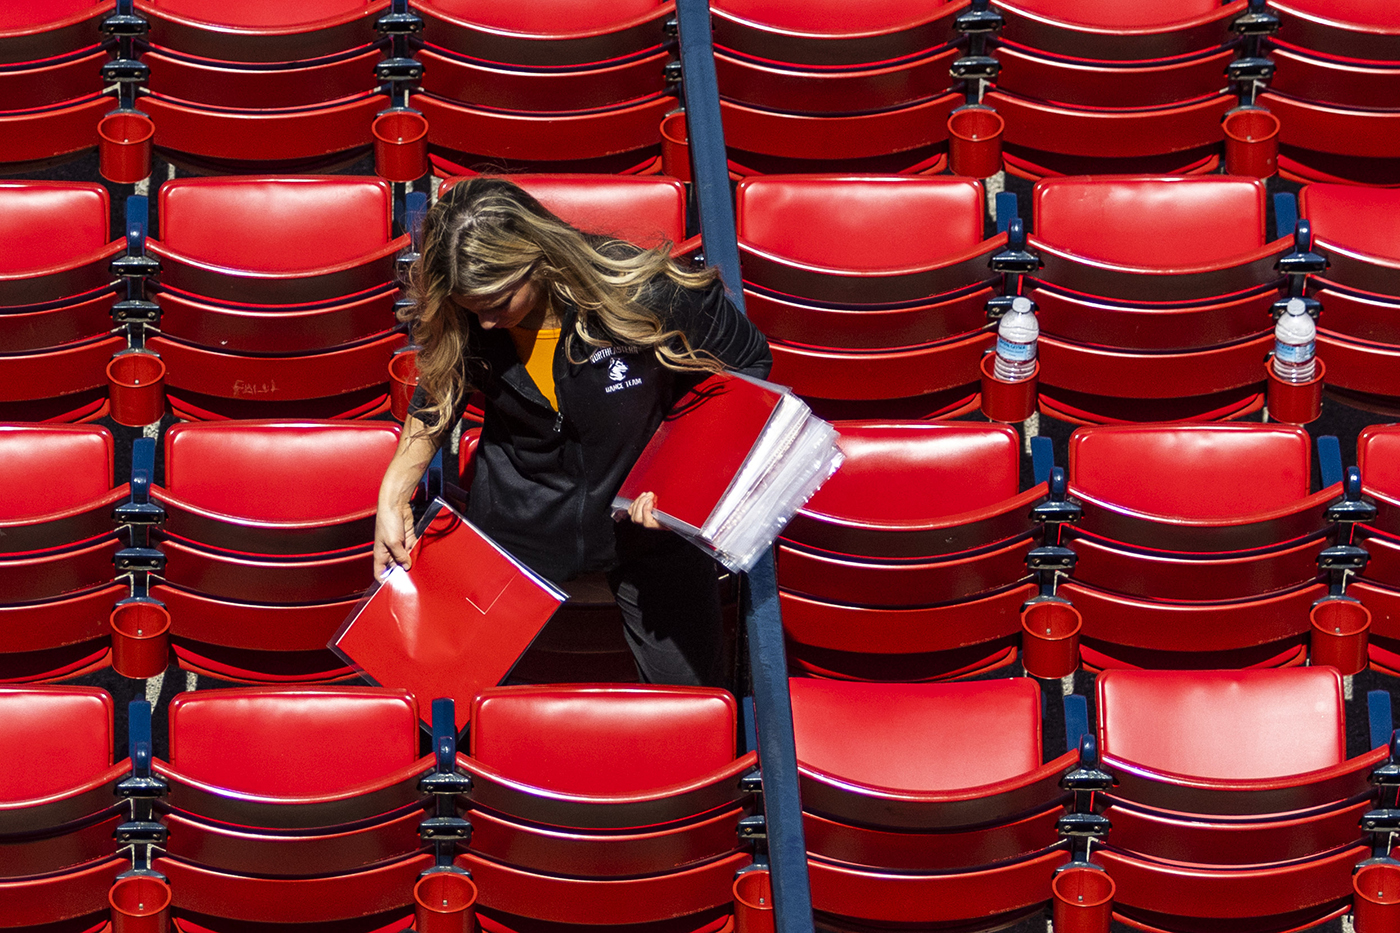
(1022, 305)
(1296, 306)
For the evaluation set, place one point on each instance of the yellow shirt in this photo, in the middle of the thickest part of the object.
(536, 351)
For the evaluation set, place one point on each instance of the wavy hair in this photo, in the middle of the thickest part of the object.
(486, 236)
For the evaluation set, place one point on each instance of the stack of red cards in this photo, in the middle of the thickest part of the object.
(732, 464)
(453, 624)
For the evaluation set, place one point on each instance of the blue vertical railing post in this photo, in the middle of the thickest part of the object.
(777, 752)
(709, 167)
(787, 844)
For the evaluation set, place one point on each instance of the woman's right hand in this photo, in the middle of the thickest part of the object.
(393, 538)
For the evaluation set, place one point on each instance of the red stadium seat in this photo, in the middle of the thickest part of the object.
(1154, 297)
(830, 87)
(1169, 577)
(1091, 87)
(58, 807)
(910, 563)
(1378, 587)
(865, 319)
(1336, 91)
(293, 806)
(1359, 325)
(927, 804)
(277, 296)
(56, 295)
(266, 538)
(56, 549)
(1234, 800)
(556, 86)
(263, 84)
(51, 100)
(605, 806)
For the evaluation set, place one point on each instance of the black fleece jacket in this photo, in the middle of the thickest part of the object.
(545, 480)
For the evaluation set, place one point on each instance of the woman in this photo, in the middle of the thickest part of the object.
(580, 344)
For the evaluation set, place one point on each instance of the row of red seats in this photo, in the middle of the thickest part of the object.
(1153, 293)
(258, 547)
(608, 806)
(1079, 87)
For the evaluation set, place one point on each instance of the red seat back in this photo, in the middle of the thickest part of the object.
(288, 224)
(270, 14)
(1155, 223)
(293, 742)
(1217, 471)
(861, 224)
(827, 17)
(903, 472)
(279, 471)
(52, 739)
(47, 223)
(646, 210)
(1141, 14)
(918, 737)
(49, 468)
(545, 17)
(1224, 724)
(604, 740)
(1378, 456)
(1365, 219)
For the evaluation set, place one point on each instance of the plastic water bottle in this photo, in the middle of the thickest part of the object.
(1016, 342)
(1295, 338)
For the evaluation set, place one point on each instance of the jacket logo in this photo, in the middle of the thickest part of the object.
(617, 369)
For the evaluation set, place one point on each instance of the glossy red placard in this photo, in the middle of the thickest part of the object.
(452, 624)
(692, 458)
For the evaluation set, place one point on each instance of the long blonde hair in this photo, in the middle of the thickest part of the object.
(487, 235)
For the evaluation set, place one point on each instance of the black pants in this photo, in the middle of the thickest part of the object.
(668, 593)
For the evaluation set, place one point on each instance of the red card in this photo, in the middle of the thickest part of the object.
(452, 625)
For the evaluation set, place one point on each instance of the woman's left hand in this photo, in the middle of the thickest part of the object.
(640, 511)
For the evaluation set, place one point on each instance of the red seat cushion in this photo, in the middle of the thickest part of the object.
(911, 472)
(1364, 219)
(604, 740)
(47, 223)
(544, 17)
(1224, 724)
(279, 471)
(827, 17)
(918, 737)
(50, 468)
(1152, 223)
(52, 739)
(260, 13)
(1140, 14)
(640, 209)
(292, 224)
(292, 742)
(861, 224)
(1219, 471)
(1378, 456)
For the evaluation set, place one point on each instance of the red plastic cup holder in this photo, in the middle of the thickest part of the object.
(136, 386)
(1008, 401)
(1340, 632)
(753, 902)
(1083, 900)
(403, 380)
(1050, 639)
(445, 902)
(1295, 402)
(140, 638)
(140, 904)
(400, 145)
(1376, 904)
(124, 146)
(675, 147)
(1251, 143)
(974, 141)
